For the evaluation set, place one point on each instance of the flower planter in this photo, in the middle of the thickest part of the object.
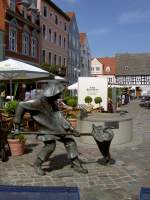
(73, 122)
(16, 147)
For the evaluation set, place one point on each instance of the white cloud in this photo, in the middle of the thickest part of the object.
(99, 31)
(133, 17)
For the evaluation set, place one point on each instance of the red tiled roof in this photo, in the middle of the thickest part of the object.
(70, 14)
(108, 62)
(82, 38)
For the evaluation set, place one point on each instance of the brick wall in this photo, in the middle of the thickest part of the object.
(18, 53)
(3, 4)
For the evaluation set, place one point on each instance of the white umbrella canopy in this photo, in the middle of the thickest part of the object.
(15, 70)
(73, 86)
(59, 78)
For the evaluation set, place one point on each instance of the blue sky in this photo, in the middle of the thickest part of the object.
(112, 26)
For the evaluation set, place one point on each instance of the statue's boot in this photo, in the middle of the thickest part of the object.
(46, 151)
(71, 148)
(77, 166)
(38, 167)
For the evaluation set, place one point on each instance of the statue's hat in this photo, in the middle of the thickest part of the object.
(54, 87)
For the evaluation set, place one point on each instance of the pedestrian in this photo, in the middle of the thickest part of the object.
(52, 125)
(110, 106)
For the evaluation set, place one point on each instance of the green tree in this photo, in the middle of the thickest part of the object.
(88, 99)
(11, 107)
(98, 100)
(54, 69)
(72, 102)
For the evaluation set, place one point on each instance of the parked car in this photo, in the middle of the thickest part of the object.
(145, 101)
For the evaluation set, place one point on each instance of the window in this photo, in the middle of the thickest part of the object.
(50, 58)
(74, 27)
(60, 40)
(45, 11)
(13, 5)
(44, 31)
(12, 39)
(65, 26)
(97, 68)
(73, 42)
(50, 35)
(110, 80)
(56, 19)
(43, 56)
(64, 62)
(107, 69)
(64, 43)
(55, 59)
(25, 44)
(55, 37)
(59, 60)
(34, 47)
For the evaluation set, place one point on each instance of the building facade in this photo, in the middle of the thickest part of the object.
(85, 56)
(133, 69)
(54, 40)
(73, 67)
(21, 31)
(3, 5)
(104, 67)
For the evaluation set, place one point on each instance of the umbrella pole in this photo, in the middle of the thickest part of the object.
(11, 89)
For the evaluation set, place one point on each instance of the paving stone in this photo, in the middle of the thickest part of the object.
(120, 181)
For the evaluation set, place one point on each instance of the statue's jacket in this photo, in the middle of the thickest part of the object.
(50, 120)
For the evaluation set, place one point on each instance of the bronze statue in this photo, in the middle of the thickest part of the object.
(103, 137)
(52, 125)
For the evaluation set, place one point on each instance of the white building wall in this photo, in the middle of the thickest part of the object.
(94, 87)
(96, 67)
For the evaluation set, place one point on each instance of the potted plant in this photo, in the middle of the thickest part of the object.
(98, 100)
(71, 116)
(16, 143)
(88, 99)
(10, 107)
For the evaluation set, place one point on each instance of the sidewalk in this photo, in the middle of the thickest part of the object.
(121, 181)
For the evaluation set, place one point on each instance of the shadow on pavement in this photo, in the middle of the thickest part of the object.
(57, 162)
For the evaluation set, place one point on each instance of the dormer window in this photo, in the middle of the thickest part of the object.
(13, 5)
(107, 69)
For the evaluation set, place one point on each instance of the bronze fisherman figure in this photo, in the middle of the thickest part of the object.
(52, 125)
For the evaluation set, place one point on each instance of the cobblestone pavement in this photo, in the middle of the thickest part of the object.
(121, 181)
